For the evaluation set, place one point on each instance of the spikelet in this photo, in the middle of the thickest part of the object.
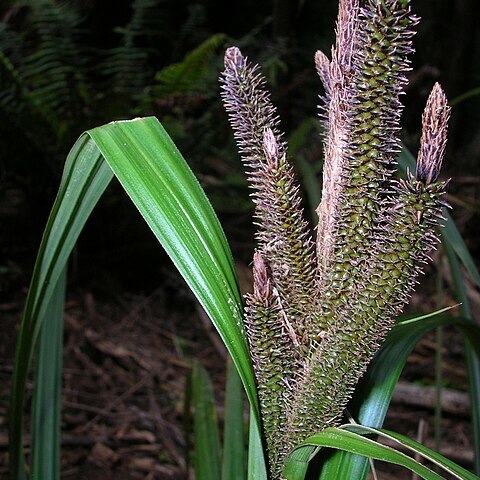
(284, 238)
(278, 312)
(250, 110)
(373, 78)
(314, 324)
(365, 313)
(273, 354)
(338, 103)
(380, 230)
(322, 65)
(369, 65)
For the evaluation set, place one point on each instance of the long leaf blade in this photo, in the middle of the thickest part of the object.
(455, 246)
(207, 443)
(170, 199)
(374, 392)
(256, 460)
(84, 180)
(46, 400)
(473, 361)
(233, 465)
(163, 188)
(348, 438)
(415, 448)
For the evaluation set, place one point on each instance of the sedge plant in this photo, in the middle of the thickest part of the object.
(321, 306)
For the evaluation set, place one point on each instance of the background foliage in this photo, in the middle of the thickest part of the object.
(67, 66)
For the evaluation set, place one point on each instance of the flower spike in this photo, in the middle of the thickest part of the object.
(314, 322)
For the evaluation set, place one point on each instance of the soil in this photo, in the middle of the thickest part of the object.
(127, 358)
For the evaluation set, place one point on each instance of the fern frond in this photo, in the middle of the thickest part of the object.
(191, 73)
(127, 66)
(53, 69)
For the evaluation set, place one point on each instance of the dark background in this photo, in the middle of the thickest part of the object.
(67, 66)
(72, 65)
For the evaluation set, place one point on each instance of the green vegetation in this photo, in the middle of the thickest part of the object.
(321, 308)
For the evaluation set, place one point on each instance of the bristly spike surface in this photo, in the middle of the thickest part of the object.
(275, 331)
(337, 123)
(249, 107)
(284, 237)
(365, 158)
(273, 355)
(370, 248)
(314, 324)
(434, 136)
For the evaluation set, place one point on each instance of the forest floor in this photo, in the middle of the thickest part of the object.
(126, 364)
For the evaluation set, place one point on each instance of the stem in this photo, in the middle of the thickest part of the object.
(438, 362)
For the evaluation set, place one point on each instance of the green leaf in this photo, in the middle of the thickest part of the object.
(471, 341)
(454, 245)
(374, 391)
(233, 467)
(349, 438)
(452, 237)
(257, 469)
(377, 386)
(154, 174)
(191, 74)
(430, 455)
(207, 444)
(47, 394)
(415, 448)
(163, 188)
(84, 180)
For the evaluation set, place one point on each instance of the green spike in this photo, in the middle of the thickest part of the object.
(313, 326)
(273, 355)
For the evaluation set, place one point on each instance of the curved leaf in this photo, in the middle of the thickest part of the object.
(158, 180)
(84, 180)
(163, 188)
(374, 391)
(473, 362)
(349, 438)
(454, 246)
